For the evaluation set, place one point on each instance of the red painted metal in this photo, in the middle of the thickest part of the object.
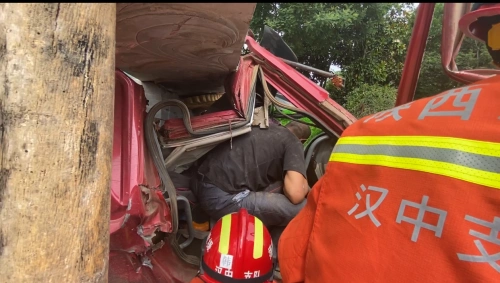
(140, 216)
(472, 28)
(316, 93)
(174, 128)
(128, 144)
(240, 84)
(138, 210)
(299, 90)
(415, 53)
(457, 23)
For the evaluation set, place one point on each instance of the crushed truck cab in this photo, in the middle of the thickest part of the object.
(182, 87)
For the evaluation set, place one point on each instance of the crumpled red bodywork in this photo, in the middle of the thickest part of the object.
(139, 211)
(299, 90)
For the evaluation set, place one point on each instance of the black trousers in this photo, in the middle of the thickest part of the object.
(271, 206)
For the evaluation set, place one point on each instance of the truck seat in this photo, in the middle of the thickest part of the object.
(174, 129)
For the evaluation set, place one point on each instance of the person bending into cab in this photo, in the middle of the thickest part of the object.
(263, 171)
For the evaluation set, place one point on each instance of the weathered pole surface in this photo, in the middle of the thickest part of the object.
(56, 130)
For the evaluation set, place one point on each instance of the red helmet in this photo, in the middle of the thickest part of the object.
(483, 23)
(238, 249)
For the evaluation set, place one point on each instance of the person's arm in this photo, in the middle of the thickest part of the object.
(295, 186)
(308, 189)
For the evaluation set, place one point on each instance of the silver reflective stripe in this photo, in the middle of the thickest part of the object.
(467, 159)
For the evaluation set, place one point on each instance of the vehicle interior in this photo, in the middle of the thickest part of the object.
(182, 87)
(180, 111)
(186, 129)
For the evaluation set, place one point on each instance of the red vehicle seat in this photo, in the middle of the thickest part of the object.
(174, 128)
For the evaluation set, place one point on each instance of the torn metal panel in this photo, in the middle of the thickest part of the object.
(155, 214)
(299, 90)
(138, 209)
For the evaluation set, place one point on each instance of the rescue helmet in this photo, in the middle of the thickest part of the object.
(238, 249)
(483, 23)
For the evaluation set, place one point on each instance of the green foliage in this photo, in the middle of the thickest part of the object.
(368, 41)
(314, 131)
(364, 39)
(368, 99)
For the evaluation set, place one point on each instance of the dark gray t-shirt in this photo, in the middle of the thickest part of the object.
(256, 160)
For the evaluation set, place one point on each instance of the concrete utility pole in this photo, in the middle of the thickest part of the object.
(56, 131)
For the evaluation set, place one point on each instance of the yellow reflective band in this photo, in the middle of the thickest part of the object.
(494, 37)
(435, 167)
(225, 234)
(471, 146)
(468, 160)
(258, 243)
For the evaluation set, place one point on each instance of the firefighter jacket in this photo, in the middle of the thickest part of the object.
(410, 194)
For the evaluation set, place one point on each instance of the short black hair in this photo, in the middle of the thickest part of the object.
(301, 131)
